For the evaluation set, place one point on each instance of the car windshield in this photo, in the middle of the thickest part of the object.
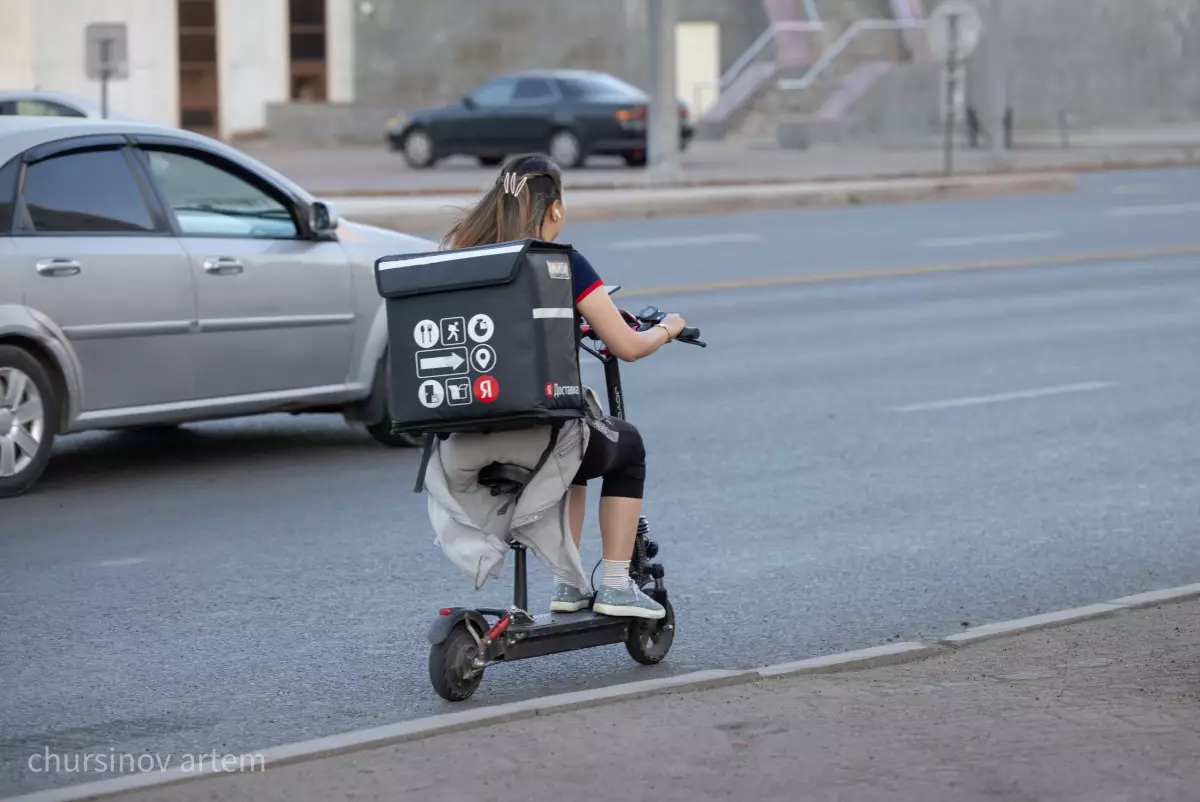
(600, 87)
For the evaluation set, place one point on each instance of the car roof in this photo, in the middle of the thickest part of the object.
(18, 134)
(39, 94)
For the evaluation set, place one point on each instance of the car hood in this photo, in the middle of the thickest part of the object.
(371, 242)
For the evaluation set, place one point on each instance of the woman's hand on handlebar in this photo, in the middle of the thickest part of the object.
(674, 324)
(616, 330)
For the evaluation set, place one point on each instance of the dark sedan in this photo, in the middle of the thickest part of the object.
(569, 115)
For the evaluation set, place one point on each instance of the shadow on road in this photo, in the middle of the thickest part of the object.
(205, 451)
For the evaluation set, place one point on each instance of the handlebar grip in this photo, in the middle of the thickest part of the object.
(689, 333)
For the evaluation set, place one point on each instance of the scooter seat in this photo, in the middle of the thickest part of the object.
(503, 478)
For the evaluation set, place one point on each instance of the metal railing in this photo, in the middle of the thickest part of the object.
(839, 46)
(765, 38)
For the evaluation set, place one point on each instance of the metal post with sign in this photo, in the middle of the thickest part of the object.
(106, 56)
(662, 134)
(954, 29)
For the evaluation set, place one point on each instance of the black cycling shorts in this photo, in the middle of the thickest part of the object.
(621, 463)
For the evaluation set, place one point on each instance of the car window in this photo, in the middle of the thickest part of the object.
(494, 93)
(45, 108)
(209, 201)
(85, 192)
(8, 193)
(599, 87)
(533, 90)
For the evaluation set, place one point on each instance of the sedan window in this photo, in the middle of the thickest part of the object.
(85, 192)
(494, 93)
(45, 108)
(209, 201)
(533, 90)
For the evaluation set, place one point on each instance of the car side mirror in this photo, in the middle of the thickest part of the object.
(468, 102)
(322, 218)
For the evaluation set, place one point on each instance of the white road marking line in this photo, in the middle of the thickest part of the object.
(1022, 395)
(122, 562)
(1152, 210)
(1138, 189)
(680, 242)
(991, 239)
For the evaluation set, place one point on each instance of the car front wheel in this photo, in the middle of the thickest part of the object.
(419, 151)
(27, 420)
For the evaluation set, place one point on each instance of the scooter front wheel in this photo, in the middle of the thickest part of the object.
(452, 668)
(649, 641)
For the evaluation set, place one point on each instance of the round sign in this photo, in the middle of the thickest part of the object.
(970, 26)
(430, 394)
(483, 357)
(426, 333)
(487, 389)
(481, 328)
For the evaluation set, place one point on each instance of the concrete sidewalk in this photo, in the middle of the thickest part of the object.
(1103, 709)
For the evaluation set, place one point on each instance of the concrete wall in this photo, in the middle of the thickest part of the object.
(45, 49)
(414, 52)
(16, 44)
(1117, 62)
(252, 61)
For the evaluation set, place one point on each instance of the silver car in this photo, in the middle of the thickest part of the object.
(49, 104)
(150, 276)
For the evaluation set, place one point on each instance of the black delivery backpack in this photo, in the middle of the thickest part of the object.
(481, 339)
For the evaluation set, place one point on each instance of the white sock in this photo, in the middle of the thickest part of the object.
(616, 574)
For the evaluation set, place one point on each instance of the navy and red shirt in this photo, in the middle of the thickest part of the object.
(584, 278)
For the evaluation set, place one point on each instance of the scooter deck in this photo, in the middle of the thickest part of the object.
(552, 633)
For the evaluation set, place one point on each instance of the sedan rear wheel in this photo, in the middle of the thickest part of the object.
(566, 149)
(27, 420)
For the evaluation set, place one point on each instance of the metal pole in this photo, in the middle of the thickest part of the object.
(105, 61)
(995, 48)
(951, 89)
(662, 135)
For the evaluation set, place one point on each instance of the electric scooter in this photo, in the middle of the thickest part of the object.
(464, 642)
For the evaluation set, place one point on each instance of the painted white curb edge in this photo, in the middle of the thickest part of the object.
(859, 659)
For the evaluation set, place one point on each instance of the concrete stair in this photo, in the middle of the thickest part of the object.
(866, 59)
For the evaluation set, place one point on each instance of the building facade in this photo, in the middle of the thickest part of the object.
(208, 65)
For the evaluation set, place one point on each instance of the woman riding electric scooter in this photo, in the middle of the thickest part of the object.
(527, 202)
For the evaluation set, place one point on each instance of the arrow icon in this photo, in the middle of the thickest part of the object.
(441, 362)
(453, 362)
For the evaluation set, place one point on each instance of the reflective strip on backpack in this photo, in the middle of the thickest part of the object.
(545, 313)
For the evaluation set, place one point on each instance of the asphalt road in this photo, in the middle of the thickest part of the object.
(882, 453)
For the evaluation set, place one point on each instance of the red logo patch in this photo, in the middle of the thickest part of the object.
(487, 389)
(549, 390)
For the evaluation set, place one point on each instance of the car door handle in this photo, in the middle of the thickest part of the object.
(59, 268)
(222, 266)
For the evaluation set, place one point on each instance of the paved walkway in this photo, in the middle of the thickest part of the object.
(1102, 710)
(360, 170)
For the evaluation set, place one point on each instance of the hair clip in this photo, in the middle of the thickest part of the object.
(514, 184)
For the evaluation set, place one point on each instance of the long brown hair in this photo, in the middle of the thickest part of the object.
(513, 208)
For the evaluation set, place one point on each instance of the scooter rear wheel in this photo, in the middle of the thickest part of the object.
(649, 641)
(451, 665)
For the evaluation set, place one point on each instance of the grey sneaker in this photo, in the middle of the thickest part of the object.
(627, 602)
(569, 599)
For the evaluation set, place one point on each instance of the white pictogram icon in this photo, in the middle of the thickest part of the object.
(431, 394)
(483, 358)
(453, 331)
(459, 391)
(426, 334)
(481, 328)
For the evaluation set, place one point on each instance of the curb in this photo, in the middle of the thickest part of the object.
(1189, 157)
(447, 723)
(439, 212)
